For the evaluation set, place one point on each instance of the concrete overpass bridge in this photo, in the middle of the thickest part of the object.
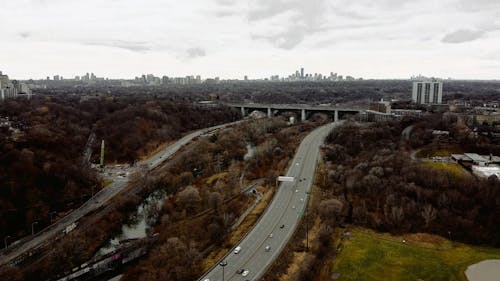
(302, 110)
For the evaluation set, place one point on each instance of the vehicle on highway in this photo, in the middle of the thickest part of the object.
(267, 248)
(237, 249)
(245, 273)
(282, 226)
(240, 271)
(206, 279)
(271, 235)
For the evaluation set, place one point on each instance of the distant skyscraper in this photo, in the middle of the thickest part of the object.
(427, 92)
(302, 73)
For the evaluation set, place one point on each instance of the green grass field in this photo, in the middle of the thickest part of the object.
(367, 255)
(442, 152)
(452, 168)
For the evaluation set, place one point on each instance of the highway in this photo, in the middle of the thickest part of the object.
(285, 210)
(99, 199)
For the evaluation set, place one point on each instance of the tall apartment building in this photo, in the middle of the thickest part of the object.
(11, 89)
(427, 92)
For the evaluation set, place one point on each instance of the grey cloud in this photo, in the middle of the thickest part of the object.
(24, 34)
(127, 45)
(195, 52)
(462, 35)
(225, 2)
(310, 15)
(262, 9)
(221, 14)
(350, 14)
(478, 5)
(285, 40)
(289, 41)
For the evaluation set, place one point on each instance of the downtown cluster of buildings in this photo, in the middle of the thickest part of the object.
(300, 75)
(152, 80)
(11, 89)
(143, 80)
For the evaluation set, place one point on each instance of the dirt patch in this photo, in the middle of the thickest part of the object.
(153, 148)
(425, 238)
(298, 258)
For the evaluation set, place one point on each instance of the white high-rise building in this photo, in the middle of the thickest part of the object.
(427, 92)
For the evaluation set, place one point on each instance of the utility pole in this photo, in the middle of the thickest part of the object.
(102, 155)
(223, 264)
(33, 228)
(51, 216)
(5, 240)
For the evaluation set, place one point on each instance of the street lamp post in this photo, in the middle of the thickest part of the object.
(51, 216)
(5, 240)
(223, 264)
(33, 228)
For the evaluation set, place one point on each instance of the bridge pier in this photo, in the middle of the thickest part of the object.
(303, 115)
(336, 116)
(269, 112)
(243, 112)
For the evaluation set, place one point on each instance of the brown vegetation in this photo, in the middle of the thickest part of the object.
(275, 143)
(383, 189)
(42, 170)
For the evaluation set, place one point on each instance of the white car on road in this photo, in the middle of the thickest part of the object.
(237, 249)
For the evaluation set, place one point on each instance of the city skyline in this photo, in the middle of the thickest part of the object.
(258, 39)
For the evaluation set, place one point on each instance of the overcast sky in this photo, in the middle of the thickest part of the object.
(258, 38)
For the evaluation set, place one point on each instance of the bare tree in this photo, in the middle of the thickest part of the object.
(330, 210)
(429, 214)
(214, 200)
(397, 215)
(189, 198)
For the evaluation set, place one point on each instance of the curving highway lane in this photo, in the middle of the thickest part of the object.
(280, 218)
